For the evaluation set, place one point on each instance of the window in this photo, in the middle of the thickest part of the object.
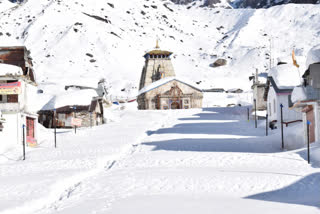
(0, 97)
(13, 98)
(274, 105)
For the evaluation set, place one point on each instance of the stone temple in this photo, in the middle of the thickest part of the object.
(160, 89)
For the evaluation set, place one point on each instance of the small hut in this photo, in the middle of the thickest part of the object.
(62, 110)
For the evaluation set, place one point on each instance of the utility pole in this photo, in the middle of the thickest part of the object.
(282, 140)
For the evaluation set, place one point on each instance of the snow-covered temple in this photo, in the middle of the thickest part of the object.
(160, 89)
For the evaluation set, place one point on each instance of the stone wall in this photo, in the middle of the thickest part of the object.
(150, 71)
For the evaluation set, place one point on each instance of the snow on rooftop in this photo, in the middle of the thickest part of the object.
(6, 69)
(71, 98)
(161, 82)
(298, 94)
(313, 56)
(285, 76)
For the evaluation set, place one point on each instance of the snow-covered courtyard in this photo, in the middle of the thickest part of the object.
(209, 160)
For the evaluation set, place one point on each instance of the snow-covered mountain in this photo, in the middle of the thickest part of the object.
(80, 42)
(242, 3)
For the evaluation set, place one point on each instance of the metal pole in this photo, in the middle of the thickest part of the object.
(282, 140)
(308, 135)
(248, 114)
(255, 113)
(23, 142)
(266, 124)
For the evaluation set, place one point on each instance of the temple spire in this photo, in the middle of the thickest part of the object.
(157, 44)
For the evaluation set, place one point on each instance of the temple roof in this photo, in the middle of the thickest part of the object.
(157, 51)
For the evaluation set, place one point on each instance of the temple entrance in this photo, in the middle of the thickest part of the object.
(175, 105)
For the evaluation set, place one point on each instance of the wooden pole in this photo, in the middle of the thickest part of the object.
(282, 140)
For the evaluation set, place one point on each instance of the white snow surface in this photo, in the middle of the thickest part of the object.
(161, 82)
(313, 56)
(285, 76)
(197, 160)
(6, 69)
(70, 98)
(298, 94)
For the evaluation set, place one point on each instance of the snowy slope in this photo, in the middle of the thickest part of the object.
(80, 42)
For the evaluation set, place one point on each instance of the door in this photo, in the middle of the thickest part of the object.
(310, 117)
(175, 105)
(31, 141)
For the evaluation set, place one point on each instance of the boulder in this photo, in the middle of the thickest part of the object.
(219, 62)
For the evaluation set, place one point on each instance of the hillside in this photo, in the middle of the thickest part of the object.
(80, 42)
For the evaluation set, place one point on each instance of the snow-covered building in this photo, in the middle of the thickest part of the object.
(169, 93)
(62, 110)
(307, 96)
(258, 89)
(17, 105)
(281, 81)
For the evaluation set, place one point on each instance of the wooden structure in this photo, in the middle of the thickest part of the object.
(169, 93)
(62, 117)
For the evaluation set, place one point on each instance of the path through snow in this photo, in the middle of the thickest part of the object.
(200, 162)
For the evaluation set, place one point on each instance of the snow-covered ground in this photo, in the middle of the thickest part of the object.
(191, 161)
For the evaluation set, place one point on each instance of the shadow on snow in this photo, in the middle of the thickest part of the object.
(305, 191)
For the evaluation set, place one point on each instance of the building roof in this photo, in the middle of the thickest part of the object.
(6, 69)
(284, 76)
(313, 56)
(161, 82)
(71, 98)
(157, 51)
